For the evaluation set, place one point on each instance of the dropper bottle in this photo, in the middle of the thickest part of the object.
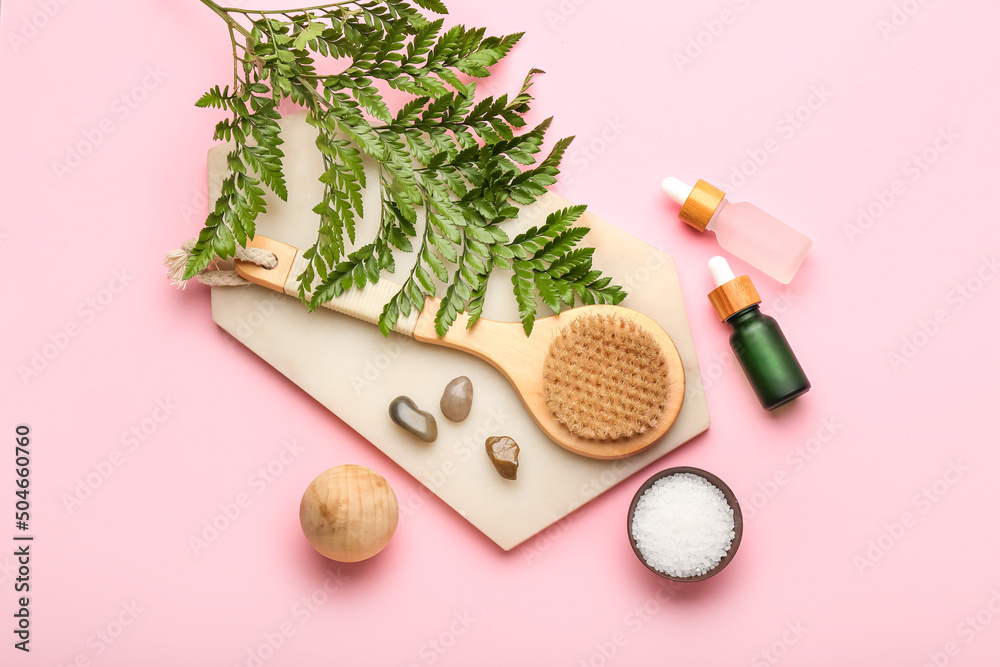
(754, 236)
(760, 346)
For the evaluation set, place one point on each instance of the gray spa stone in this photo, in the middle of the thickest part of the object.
(405, 413)
(456, 402)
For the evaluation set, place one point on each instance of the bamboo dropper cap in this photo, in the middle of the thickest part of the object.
(698, 204)
(732, 294)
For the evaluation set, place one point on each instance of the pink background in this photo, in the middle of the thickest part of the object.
(862, 541)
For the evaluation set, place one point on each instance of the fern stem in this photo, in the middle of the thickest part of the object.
(236, 59)
(284, 12)
(224, 13)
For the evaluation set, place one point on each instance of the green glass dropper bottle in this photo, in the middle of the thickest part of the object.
(762, 350)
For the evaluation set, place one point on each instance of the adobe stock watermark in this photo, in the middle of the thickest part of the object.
(132, 440)
(8, 569)
(462, 449)
(247, 324)
(633, 622)
(709, 33)
(643, 273)
(199, 204)
(610, 475)
(584, 152)
(966, 631)
(795, 460)
(121, 108)
(33, 24)
(435, 647)
(955, 301)
(230, 511)
(779, 648)
(257, 316)
(898, 17)
(914, 168)
(373, 367)
(786, 126)
(562, 12)
(304, 609)
(543, 541)
(102, 639)
(713, 370)
(921, 503)
(42, 356)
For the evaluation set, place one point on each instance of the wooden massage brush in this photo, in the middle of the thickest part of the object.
(601, 381)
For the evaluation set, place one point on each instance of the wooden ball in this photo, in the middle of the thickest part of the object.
(349, 513)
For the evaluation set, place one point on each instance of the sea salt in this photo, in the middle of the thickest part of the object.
(683, 525)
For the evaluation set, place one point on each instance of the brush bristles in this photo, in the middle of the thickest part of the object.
(605, 378)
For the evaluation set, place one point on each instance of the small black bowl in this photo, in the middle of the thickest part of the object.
(730, 498)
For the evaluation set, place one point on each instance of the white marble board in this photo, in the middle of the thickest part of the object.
(351, 369)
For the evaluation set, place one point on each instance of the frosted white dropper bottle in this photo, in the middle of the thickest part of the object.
(754, 236)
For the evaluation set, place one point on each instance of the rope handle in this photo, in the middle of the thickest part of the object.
(217, 276)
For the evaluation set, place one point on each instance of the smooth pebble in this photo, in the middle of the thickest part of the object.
(503, 452)
(405, 413)
(456, 402)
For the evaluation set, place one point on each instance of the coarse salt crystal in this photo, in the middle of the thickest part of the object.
(683, 526)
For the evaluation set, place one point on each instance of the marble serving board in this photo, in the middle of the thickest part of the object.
(350, 368)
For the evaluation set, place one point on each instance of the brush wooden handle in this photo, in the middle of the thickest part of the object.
(503, 345)
(363, 304)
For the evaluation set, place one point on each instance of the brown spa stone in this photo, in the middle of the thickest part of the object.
(503, 453)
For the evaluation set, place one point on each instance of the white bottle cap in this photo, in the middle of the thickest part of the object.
(676, 189)
(721, 273)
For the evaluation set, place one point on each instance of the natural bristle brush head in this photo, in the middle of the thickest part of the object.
(605, 378)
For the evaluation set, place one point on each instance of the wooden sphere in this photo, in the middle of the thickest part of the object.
(349, 513)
